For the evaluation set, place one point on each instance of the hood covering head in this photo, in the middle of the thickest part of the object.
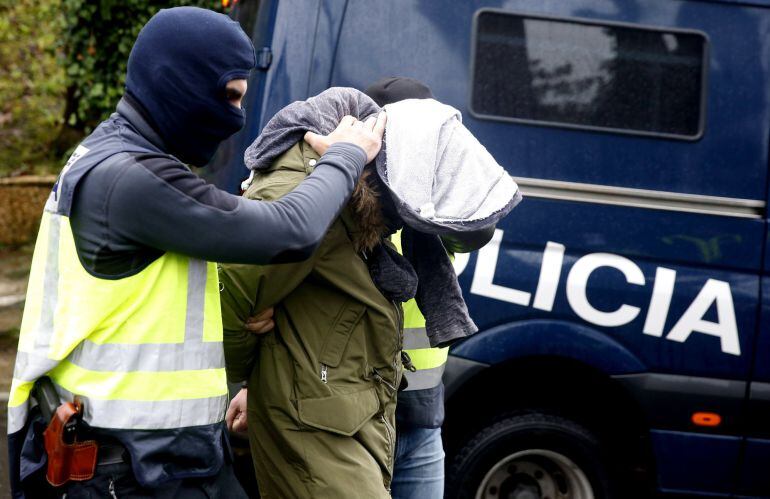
(440, 178)
(178, 69)
(396, 88)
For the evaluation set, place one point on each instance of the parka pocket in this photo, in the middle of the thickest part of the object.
(337, 339)
(343, 414)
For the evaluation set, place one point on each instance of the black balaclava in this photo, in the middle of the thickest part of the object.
(178, 69)
(396, 88)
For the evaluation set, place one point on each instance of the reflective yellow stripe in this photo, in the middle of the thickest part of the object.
(413, 318)
(423, 359)
(428, 358)
(396, 240)
(19, 392)
(168, 385)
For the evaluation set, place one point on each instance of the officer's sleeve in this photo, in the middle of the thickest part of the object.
(159, 203)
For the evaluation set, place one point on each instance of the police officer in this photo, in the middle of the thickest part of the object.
(419, 464)
(122, 308)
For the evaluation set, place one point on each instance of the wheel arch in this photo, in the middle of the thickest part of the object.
(549, 366)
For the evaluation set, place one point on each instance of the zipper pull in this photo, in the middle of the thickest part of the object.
(324, 373)
(407, 361)
(378, 377)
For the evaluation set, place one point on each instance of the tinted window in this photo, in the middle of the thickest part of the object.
(581, 74)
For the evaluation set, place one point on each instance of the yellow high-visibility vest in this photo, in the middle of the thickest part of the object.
(141, 352)
(429, 362)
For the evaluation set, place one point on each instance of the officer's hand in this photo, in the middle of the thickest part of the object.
(261, 323)
(367, 135)
(236, 413)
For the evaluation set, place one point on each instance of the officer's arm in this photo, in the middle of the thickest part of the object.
(159, 203)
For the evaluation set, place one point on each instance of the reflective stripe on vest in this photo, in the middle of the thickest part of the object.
(428, 361)
(142, 352)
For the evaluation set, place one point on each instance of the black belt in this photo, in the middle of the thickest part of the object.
(110, 454)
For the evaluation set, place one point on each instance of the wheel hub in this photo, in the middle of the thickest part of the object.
(535, 474)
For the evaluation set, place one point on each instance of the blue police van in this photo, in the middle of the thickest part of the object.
(624, 306)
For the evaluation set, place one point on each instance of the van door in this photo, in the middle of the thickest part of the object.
(753, 479)
(257, 18)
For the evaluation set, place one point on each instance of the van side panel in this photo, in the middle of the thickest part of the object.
(695, 463)
(670, 292)
(292, 46)
(698, 248)
(515, 262)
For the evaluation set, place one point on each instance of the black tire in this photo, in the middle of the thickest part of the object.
(526, 433)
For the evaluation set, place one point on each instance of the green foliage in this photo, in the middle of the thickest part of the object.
(97, 39)
(31, 85)
(62, 71)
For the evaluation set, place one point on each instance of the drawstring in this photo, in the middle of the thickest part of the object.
(246, 183)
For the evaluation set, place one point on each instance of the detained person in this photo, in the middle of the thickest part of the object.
(321, 399)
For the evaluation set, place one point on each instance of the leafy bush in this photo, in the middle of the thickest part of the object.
(96, 42)
(31, 85)
(62, 71)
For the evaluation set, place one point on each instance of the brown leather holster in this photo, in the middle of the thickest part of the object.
(68, 461)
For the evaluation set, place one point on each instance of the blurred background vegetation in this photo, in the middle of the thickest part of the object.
(32, 85)
(62, 70)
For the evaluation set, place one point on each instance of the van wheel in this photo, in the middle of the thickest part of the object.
(530, 456)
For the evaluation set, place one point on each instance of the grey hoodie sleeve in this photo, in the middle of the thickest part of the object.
(164, 206)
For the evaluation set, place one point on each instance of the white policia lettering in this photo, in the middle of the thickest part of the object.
(692, 321)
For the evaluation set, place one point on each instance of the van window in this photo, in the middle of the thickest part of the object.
(584, 74)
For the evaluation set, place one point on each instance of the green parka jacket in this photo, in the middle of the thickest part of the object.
(322, 384)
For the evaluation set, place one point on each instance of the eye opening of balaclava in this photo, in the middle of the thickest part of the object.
(178, 69)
